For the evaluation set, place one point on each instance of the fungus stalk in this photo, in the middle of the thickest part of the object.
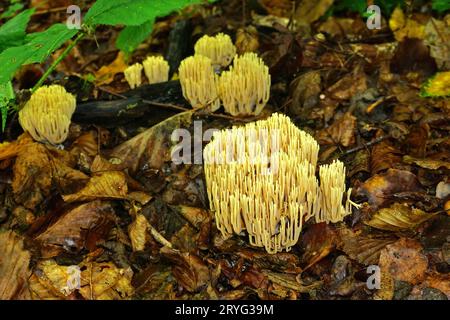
(156, 69)
(199, 83)
(133, 75)
(47, 115)
(245, 88)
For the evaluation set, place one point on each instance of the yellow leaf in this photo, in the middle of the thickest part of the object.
(138, 232)
(106, 185)
(105, 74)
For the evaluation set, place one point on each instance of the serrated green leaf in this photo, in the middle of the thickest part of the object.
(39, 46)
(12, 33)
(6, 95)
(12, 9)
(130, 37)
(131, 12)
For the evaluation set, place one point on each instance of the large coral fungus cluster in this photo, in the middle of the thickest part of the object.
(47, 115)
(199, 82)
(220, 49)
(245, 88)
(261, 178)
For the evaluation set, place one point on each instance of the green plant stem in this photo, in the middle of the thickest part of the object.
(57, 61)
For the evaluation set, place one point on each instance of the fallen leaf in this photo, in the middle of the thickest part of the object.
(105, 75)
(403, 27)
(79, 228)
(437, 37)
(138, 231)
(349, 85)
(12, 149)
(104, 281)
(305, 93)
(247, 40)
(363, 248)
(104, 185)
(380, 188)
(427, 163)
(151, 148)
(14, 267)
(398, 217)
(189, 270)
(310, 11)
(318, 241)
(404, 261)
(342, 131)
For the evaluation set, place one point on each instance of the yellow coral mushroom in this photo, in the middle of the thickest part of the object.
(220, 49)
(437, 86)
(261, 177)
(133, 75)
(245, 88)
(156, 69)
(47, 115)
(199, 82)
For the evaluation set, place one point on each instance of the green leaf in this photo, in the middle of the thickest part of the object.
(131, 12)
(39, 46)
(440, 5)
(130, 37)
(12, 9)
(6, 95)
(12, 33)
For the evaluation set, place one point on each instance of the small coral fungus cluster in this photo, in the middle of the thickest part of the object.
(243, 90)
(156, 70)
(261, 178)
(47, 115)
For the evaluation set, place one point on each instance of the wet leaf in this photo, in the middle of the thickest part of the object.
(12, 149)
(318, 241)
(398, 217)
(14, 270)
(79, 228)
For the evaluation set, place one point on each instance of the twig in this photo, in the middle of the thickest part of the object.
(365, 145)
(57, 61)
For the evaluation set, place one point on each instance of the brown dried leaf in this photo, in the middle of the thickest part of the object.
(310, 11)
(404, 260)
(104, 281)
(427, 163)
(247, 40)
(363, 248)
(138, 232)
(383, 156)
(12, 149)
(189, 270)
(79, 228)
(318, 241)
(342, 131)
(305, 93)
(151, 148)
(105, 185)
(14, 270)
(398, 217)
(348, 86)
(437, 37)
(380, 188)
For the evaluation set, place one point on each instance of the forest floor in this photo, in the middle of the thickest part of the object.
(112, 206)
